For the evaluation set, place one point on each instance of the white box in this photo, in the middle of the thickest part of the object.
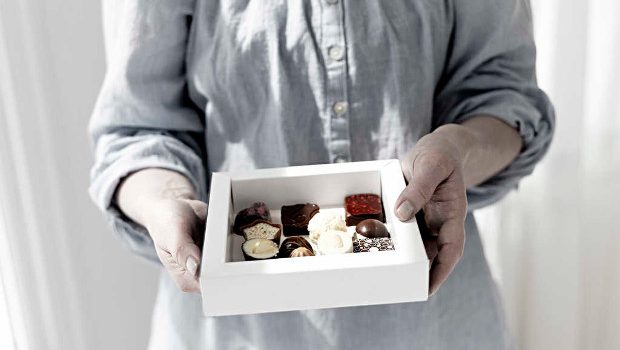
(231, 286)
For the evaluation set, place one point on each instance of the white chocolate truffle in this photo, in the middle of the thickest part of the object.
(335, 242)
(325, 221)
(259, 248)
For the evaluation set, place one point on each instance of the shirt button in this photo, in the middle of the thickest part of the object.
(336, 53)
(331, 2)
(340, 159)
(340, 108)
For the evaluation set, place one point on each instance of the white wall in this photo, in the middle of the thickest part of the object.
(55, 51)
(555, 242)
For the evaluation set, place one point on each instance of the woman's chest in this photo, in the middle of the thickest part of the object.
(263, 50)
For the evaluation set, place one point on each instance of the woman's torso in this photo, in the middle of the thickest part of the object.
(270, 78)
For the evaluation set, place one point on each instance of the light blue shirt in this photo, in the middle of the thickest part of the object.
(203, 86)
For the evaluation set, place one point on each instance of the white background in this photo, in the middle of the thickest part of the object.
(553, 246)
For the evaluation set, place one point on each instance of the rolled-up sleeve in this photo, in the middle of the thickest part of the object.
(491, 71)
(143, 117)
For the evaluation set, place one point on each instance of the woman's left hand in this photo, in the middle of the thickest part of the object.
(434, 173)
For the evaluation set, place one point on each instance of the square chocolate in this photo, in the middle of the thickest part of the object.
(363, 206)
(262, 229)
(258, 211)
(361, 244)
(295, 218)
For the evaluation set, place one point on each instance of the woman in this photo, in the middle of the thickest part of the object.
(200, 86)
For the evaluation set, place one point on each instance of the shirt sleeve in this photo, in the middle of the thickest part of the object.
(491, 70)
(143, 117)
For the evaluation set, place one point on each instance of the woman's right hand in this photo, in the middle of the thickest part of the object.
(177, 229)
(163, 201)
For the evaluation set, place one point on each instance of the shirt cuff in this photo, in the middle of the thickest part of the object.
(158, 152)
(535, 123)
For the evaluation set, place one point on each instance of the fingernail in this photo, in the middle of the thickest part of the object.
(404, 211)
(191, 265)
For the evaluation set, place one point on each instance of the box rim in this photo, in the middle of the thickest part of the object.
(214, 259)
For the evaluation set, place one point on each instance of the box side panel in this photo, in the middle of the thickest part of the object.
(322, 189)
(315, 290)
(406, 235)
(306, 170)
(215, 247)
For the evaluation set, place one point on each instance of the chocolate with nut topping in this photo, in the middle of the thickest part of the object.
(290, 244)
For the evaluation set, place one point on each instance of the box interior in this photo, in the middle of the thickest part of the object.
(328, 191)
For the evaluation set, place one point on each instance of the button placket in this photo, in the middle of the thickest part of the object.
(334, 50)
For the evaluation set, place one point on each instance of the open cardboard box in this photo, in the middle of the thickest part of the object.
(232, 286)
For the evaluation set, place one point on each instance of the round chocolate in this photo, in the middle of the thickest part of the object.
(335, 242)
(301, 252)
(259, 249)
(371, 228)
(291, 243)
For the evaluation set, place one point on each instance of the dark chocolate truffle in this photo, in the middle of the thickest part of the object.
(291, 243)
(295, 218)
(363, 206)
(258, 211)
(371, 228)
(262, 229)
(361, 245)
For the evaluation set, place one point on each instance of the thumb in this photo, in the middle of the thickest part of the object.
(426, 174)
(199, 207)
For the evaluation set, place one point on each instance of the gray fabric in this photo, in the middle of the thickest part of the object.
(466, 313)
(203, 86)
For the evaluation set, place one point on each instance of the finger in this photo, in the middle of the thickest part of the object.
(428, 238)
(451, 241)
(200, 208)
(427, 173)
(431, 248)
(178, 273)
(183, 260)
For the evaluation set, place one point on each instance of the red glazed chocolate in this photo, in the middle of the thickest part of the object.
(364, 206)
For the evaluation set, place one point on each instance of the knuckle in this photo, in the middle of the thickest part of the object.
(438, 161)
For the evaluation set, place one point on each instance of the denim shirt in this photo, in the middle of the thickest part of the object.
(199, 86)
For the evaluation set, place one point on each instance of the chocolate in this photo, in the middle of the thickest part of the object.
(324, 221)
(371, 228)
(361, 244)
(291, 244)
(259, 249)
(335, 242)
(301, 252)
(262, 229)
(295, 218)
(258, 211)
(363, 206)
